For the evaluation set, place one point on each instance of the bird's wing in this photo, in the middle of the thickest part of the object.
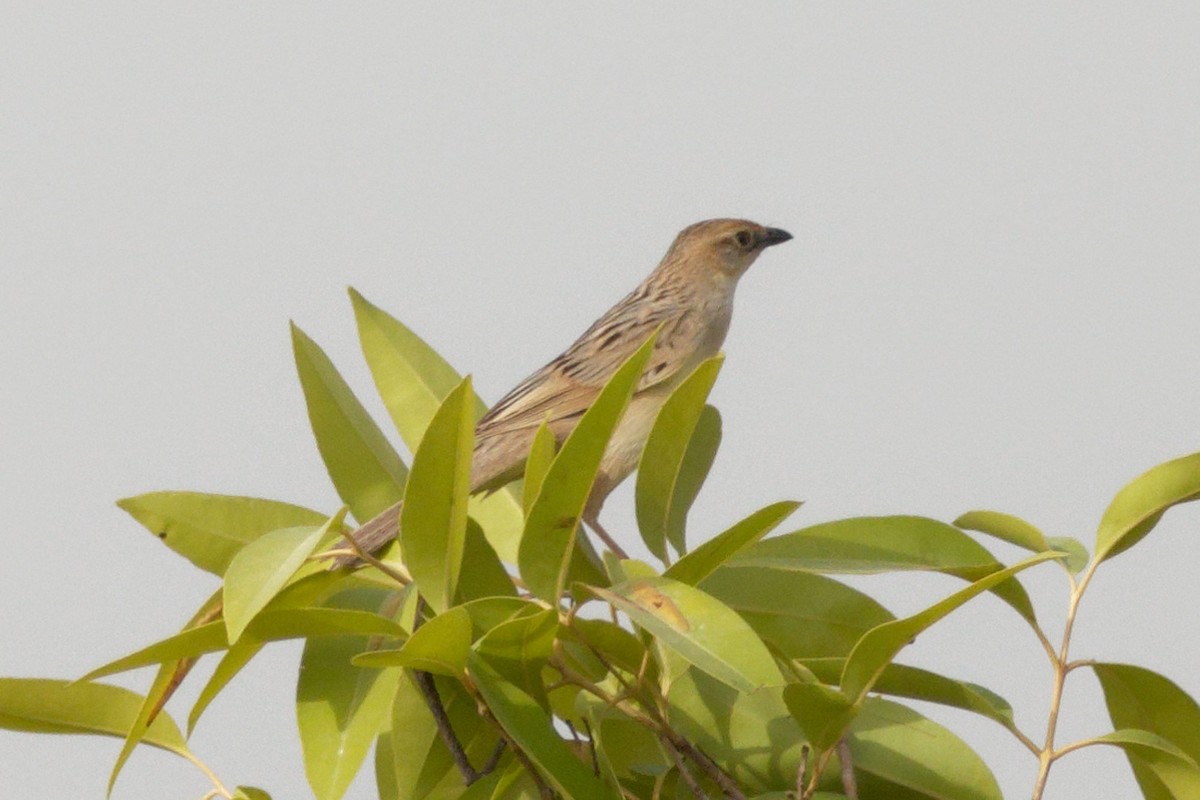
(567, 386)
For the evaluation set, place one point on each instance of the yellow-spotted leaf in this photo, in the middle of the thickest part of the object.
(695, 625)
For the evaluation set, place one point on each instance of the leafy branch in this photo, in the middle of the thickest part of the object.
(494, 634)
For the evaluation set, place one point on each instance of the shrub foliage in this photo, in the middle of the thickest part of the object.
(493, 654)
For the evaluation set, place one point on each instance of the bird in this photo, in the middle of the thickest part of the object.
(687, 298)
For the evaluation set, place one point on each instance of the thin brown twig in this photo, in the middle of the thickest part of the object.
(713, 770)
(684, 772)
(445, 730)
(802, 772)
(849, 784)
(587, 726)
(494, 758)
(428, 689)
(544, 790)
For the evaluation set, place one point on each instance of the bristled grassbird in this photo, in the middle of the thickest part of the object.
(688, 298)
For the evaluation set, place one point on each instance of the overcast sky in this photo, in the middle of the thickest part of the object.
(990, 302)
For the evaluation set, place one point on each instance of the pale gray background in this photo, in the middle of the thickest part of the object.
(990, 301)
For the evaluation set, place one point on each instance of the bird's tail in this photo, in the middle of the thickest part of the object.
(372, 536)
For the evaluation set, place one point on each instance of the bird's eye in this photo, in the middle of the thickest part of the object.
(743, 238)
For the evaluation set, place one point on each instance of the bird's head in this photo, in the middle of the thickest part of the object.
(729, 245)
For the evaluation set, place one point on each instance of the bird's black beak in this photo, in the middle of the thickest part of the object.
(773, 236)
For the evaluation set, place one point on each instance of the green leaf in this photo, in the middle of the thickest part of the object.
(515, 784)
(165, 682)
(1015, 530)
(302, 617)
(250, 793)
(881, 644)
(302, 596)
(697, 461)
(262, 568)
(822, 712)
(439, 646)
(551, 529)
(518, 650)
(699, 628)
(541, 455)
(704, 560)
(488, 612)
(1005, 527)
(1136, 509)
(366, 471)
(482, 573)
(208, 529)
(1173, 769)
(267, 626)
(231, 663)
(1139, 698)
(188, 643)
(628, 752)
(37, 705)
(919, 684)
(433, 521)
(533, 731)
(752, 735)
(340, 708)
(1077, 555)
(294, 623)
(661, 496)
(429, 770)
(899, 753)
(802, 615)
(884, 544)
(413, 380)
(386, 785)
(618, 646)
(412, 759)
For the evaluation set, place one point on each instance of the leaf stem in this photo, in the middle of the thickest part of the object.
(219, 789)
(1062, 666)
